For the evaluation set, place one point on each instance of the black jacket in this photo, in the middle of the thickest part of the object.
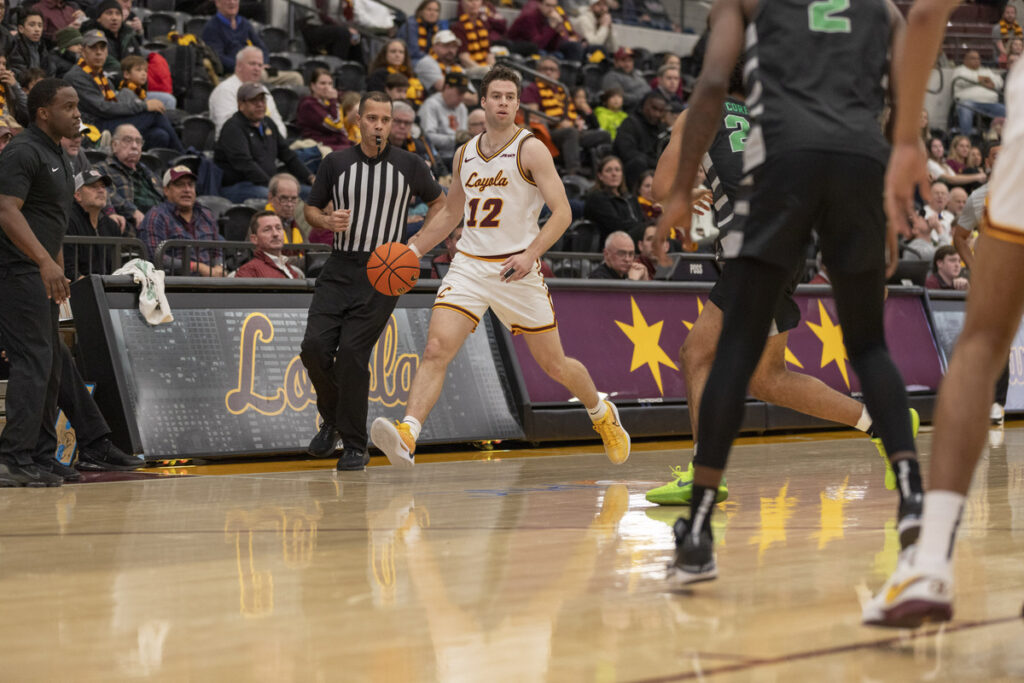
(246, 152)
(636, 139)
(603, 272)
(25, 55)
(80, 259)
(613, 212)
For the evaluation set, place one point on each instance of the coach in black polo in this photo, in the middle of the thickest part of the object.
(369, 188)
(36, 191)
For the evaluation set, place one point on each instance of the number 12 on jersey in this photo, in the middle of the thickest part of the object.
(491, 207)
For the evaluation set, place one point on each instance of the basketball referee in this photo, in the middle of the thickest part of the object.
(369, 188)
(36, 189)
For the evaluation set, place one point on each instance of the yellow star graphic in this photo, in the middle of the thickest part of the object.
(790, 356)
(832, 348)
(700, 309)
(646, 350)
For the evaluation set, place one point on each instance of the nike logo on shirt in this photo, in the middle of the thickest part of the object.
(54, 170)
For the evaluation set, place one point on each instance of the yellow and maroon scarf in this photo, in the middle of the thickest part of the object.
(1010, 30)
(100, 80)
(478, 42)
(445, 69)
(566, 30)
(3, 99)
(139, 90)
(333, 120)
(555, 104)
(425, 35)
(416, 93)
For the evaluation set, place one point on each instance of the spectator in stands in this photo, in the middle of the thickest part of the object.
(268, 235)
(13, 102)
(122, 41)
(87, 219)
(1005, 31)
(610, 114)
(136, 189)
(477, 26)
(73, 146)
(568, 132)
(596, 27)
(584, 110)
(28, 50)
(638, 141)
(397, 87)
(283, 200)
(250, 146)
(319, 116)
(349, 105)
(226, 33)
(957, 200)
(58, 14)
(442, 59)
(134, 75)
(670, 84)
(224, 98)
(647, 256)
(936, 207)
(619, 260)
(68, 49)
(181, 217)
(101, 105)
(421, 29)
(938, 169)
(645, 198)
(444, 113)
(608, 204)
(394, 58)
(6, 39)
(1015, 51)
(626, 78)
(959, 149)
(403, 118)
(946, 270)
(919, 247)
(326, 34)
(544, 24)
(976, 89)
(131, 19)
(476, 122)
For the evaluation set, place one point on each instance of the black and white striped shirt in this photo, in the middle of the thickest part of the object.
(377, 191)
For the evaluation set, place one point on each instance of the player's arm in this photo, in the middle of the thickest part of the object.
(725, 42)
(926, 25)
(538, 163)
(664, 174)
(14, 225)
(441, 219)
(963, 248)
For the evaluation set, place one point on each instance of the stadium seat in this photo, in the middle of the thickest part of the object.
(215, 203)
(280, 61)
(582, 236)
(234, 222)
(570, 74)
(350, 76)
(287, 101)
(159, 24)
(276, 39)
(154, 163)
(160, 5)
(198, 132)
(195, 25)
(197, 100)
(592, 77)
(95, 156)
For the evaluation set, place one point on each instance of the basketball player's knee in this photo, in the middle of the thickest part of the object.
(694, 355)
(556, 367)
(436, 351)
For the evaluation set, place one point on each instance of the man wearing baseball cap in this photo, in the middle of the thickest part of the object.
(625, 77)
(88, 220)
(442, 59)
(121, 39)
(181, 217)
(444, 113)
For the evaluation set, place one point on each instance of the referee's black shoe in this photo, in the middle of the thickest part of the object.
(353, 459)
(324, 443)
(68, 474)
(31, 476)
(103, 456)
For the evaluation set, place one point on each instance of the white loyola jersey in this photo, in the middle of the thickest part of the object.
(502, 201)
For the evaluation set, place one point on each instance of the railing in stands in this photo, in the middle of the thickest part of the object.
(536, 75)
(99, 255)
(180, 257)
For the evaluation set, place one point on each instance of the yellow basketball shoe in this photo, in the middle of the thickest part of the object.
(395, 439)
(680, 489)
(615, 438)
(890, 476)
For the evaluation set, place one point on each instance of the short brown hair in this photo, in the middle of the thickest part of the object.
(500, 72)
(131, 62)
(254, 222)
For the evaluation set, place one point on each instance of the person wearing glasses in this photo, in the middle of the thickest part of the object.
(620, 262)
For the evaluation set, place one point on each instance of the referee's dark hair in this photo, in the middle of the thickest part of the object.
(500, 72)
(254, 222)
(43, 93)
(373, 96)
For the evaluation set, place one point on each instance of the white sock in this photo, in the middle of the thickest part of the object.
(414, 426)
(942, 510)
(864, 423)
(598, 411)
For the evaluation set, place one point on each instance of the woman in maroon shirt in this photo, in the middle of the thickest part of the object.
(319, 116)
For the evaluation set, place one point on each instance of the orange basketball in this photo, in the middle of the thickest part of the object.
(393, 269)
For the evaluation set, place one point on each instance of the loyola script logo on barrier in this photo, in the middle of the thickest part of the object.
(391, 373)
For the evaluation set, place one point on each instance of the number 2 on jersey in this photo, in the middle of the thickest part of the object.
(493, 208)
(737, 140)
(821, 16)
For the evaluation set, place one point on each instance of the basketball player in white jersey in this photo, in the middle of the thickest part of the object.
(921, 588)
(502, 178)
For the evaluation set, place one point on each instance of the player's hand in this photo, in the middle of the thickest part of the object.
(700, 200)
(337, 221)
(676, 213)
(155, 105)
(58, 287)
(908, 170)
(516, 267)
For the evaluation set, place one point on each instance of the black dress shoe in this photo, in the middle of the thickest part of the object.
(324, 443)
(353, 459)
(56, 467)
(103, 456)
(26, 475)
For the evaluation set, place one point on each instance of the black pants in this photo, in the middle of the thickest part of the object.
(78, 405)
(28, 325)
(570, 140)
(346, 317)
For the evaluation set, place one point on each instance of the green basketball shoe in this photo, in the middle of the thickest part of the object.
(677, 492)
(890, 476)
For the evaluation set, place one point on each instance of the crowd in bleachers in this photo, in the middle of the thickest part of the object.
(199, 115)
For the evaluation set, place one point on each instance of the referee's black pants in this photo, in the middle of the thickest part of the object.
(28, 325)
(346, 317)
